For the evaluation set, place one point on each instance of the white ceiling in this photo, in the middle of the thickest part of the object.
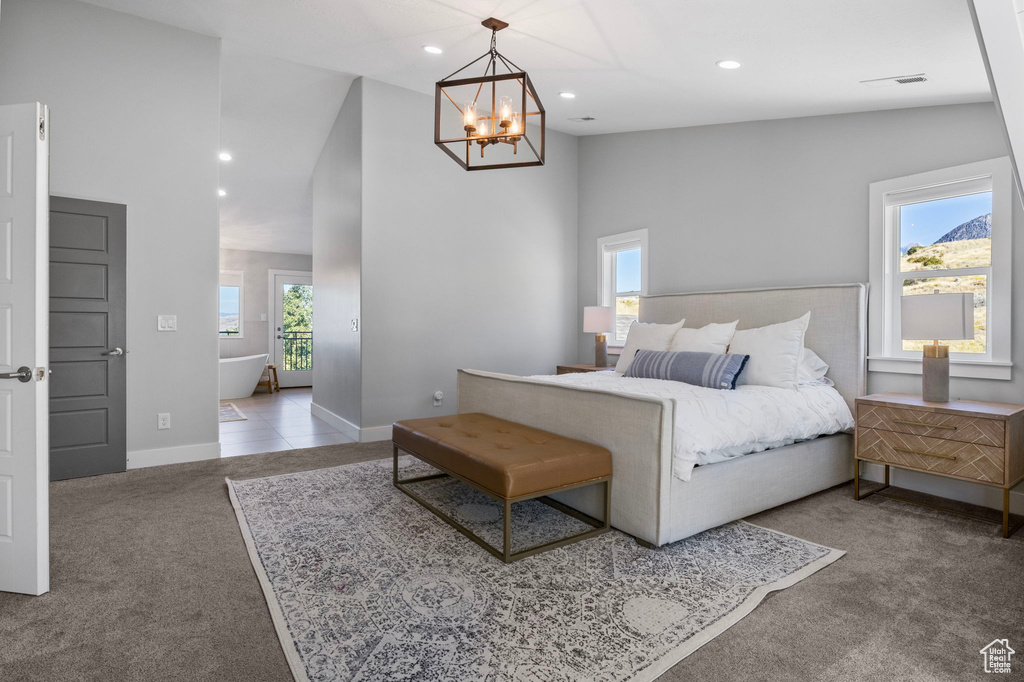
(634, 65)
(275, 117)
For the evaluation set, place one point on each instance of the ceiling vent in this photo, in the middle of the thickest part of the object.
(897, 80)
(583, 119)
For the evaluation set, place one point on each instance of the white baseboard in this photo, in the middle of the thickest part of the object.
(361, 435)
(950, 488)
(375, 433)
(139, 459)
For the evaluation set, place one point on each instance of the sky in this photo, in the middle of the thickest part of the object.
(627, 270)
(927, 221)
(229, 300)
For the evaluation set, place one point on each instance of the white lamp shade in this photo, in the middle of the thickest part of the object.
(937, 316)
(598, 319)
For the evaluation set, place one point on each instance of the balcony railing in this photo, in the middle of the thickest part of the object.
(298, 350)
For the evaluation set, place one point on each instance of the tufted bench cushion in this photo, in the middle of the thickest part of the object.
(506, 458)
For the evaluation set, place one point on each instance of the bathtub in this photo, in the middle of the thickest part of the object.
(239, 376)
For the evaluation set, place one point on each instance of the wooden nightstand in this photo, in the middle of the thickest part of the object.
(580, 369)
(964, 439)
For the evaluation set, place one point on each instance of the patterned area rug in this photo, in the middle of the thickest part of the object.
(365, 584)
(229, 412)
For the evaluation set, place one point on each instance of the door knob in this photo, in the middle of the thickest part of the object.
(115, 352)
(24, 375)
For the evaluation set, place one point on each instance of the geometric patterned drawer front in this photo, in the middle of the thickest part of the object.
(966, 460)
(946, 426)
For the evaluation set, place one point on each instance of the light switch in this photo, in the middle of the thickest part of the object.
(167, 323)
(263, 317)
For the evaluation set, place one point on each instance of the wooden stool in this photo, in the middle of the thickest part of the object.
(271, 381)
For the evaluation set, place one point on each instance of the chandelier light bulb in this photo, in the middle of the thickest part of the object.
(469, 114)
(505, 107)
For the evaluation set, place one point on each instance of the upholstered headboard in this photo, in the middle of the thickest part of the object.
(837, 330)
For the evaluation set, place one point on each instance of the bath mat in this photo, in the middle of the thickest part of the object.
(365, 584)
(229, 412)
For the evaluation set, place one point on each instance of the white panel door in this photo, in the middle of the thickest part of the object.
(291, 296)
(24, 347)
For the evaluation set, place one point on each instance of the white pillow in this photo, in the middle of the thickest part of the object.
(812, 368)
(711, 338)
(645, 336)
(774, 353)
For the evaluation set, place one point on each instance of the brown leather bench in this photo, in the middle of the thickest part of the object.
(508, 462)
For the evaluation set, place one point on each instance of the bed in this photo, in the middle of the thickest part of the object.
(648, 502)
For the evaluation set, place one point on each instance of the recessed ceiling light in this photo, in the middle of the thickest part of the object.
(222, 193)
(729, 64)
(224, 156)
(567, 95)
(432, 49)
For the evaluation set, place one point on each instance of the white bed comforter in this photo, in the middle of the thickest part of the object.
(712, 425)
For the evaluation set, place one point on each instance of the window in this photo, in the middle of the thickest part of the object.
(231, 305)
(623, 270)
(946, 231)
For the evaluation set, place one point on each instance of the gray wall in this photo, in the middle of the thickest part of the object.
(458, 269)
(337, 211)
(774, 203)
(135, 120)
(256, 265)
(780, 202)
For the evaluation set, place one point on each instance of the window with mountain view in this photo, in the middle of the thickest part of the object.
(623, 278)
(946, 247)
(943, 231)
(229, 315)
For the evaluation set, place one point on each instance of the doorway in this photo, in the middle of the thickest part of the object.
(291, 334)
(87, 338)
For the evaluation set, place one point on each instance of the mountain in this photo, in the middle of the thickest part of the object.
(978, 228)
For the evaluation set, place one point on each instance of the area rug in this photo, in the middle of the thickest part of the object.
(229, 412)
(365, 584)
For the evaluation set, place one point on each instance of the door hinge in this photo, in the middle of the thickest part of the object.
(42, 128)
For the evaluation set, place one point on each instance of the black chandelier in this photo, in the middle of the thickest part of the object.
(490, 121)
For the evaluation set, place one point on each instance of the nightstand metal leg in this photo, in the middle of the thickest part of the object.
(856, 482)
(1006, 512)
(856, 478)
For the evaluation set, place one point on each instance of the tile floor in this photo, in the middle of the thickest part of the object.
(276, 422)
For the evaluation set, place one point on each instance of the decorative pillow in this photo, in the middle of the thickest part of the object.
(812, 368)
(711, 338)
(710, 370)
(774, 352)
(646, 336)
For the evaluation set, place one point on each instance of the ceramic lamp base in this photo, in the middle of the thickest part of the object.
(601, 350)
(935, 374)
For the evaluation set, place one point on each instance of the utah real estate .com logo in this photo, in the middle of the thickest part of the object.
(997, 656)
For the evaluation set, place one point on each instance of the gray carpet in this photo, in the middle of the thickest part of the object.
(151, 581)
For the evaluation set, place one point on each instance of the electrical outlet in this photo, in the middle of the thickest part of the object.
(163, 420)
(438, 398)
(355, 324)
(167, 323)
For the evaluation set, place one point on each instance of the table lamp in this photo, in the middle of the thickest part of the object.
(936, 316)
(598, 319)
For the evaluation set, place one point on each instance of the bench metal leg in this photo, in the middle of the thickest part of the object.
(506, 554)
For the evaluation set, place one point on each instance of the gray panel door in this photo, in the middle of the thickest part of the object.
(87, 329)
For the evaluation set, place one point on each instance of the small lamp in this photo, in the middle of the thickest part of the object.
(598, 319)
(937, 316)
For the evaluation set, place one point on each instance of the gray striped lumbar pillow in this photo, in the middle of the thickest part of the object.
(711, 370)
